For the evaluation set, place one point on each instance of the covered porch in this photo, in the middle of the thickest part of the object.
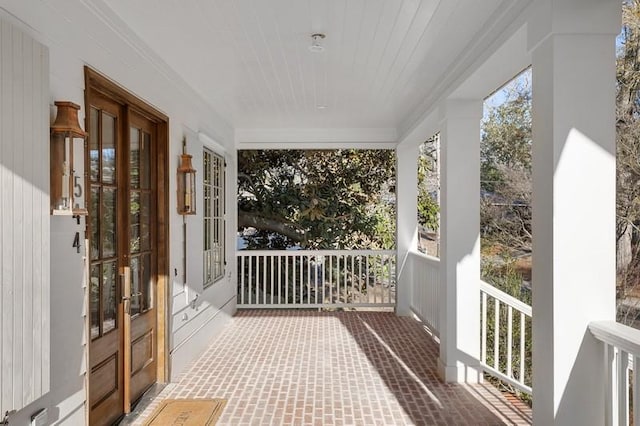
(284, 367)
(233, 75)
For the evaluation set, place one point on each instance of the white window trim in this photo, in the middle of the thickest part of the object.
(218, 150)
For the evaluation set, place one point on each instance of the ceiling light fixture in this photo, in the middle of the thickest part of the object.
(316, 46)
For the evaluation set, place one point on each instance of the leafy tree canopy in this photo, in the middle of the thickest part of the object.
(316, 199)
(505, 167)
(428, 184)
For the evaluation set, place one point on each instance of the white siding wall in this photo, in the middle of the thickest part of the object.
(96, 38)
(24, 219)
(196, 320)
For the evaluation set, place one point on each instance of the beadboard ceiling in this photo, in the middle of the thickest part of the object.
(250, 59)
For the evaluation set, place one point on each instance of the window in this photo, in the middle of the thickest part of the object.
(214, 205)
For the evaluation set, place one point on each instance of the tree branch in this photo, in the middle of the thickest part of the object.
(289, 230)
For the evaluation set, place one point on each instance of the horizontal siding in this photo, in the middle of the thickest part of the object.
(24, 219)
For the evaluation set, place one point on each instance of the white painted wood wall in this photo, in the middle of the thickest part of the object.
(24, 219)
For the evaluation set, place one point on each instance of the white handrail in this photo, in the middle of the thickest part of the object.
(615, 334)
(434, 261)
(622, 349)
(505, 298)
(292, 253)
(523, 314)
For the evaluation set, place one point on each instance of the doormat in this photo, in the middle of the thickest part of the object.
(187, 412)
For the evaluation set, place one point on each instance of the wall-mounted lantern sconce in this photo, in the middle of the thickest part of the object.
(186, 184)
(67, 162)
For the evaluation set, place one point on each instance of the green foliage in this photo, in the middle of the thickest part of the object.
(428, 207)
(504, 275)
(317, 198)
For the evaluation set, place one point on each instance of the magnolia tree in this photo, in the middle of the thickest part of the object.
(317, 199)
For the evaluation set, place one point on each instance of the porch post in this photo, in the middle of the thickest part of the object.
(460, 241)
(406, 222)
(574, 180)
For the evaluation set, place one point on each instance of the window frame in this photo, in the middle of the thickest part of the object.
(214, 253)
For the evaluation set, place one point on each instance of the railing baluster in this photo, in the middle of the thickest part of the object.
(300, 278)
(343, 274)
(366, 280)
(242, 275)
(496, 333)
(386, 291)
(302, 284)
(315, 273)
(279, 279)
(483, 339)
(360, 298)
(523, 329)
(294, 286)
(509, 340)
(286, 276)
(352, 273)
(338, 273)
(610, 411)
(272, 276)
(384, 279)
(250, 277)
(264, 279)
(308, 263)
(331, 279)
(623, 388)
(636, 390)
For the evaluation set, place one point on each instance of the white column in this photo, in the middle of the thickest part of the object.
(406, 221)
(460, 241)
(574, 178)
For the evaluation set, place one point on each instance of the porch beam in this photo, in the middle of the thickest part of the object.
(460, 241)
(574, 178)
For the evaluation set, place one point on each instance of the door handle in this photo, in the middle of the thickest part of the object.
(125, 276)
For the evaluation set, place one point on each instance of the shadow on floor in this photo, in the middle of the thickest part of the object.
(405, 357)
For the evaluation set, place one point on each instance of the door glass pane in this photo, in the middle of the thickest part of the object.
(94, 211)
(134, 157)
(135, 286)
(145, 161)
(108, 148)
(109, 297)
(108, 222)
(147, 301)
(145, 221)
(94, 147)
(94, 301)
(134, 217)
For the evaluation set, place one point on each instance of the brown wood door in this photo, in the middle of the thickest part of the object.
(142, 254)
(122, 228)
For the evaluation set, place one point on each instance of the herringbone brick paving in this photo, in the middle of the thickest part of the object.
(336, 368)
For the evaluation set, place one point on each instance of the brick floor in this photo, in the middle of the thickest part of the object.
(341, 368)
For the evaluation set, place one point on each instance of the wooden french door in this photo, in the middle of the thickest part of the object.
(122, 231)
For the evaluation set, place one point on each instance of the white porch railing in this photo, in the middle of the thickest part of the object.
(622, 348)
(425, 291)
(505, 323)
(316, 278)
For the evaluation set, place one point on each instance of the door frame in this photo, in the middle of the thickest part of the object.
(98, 84)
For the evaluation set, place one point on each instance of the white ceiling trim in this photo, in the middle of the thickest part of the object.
(316, 145)
(512, 16)
(372, 137)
